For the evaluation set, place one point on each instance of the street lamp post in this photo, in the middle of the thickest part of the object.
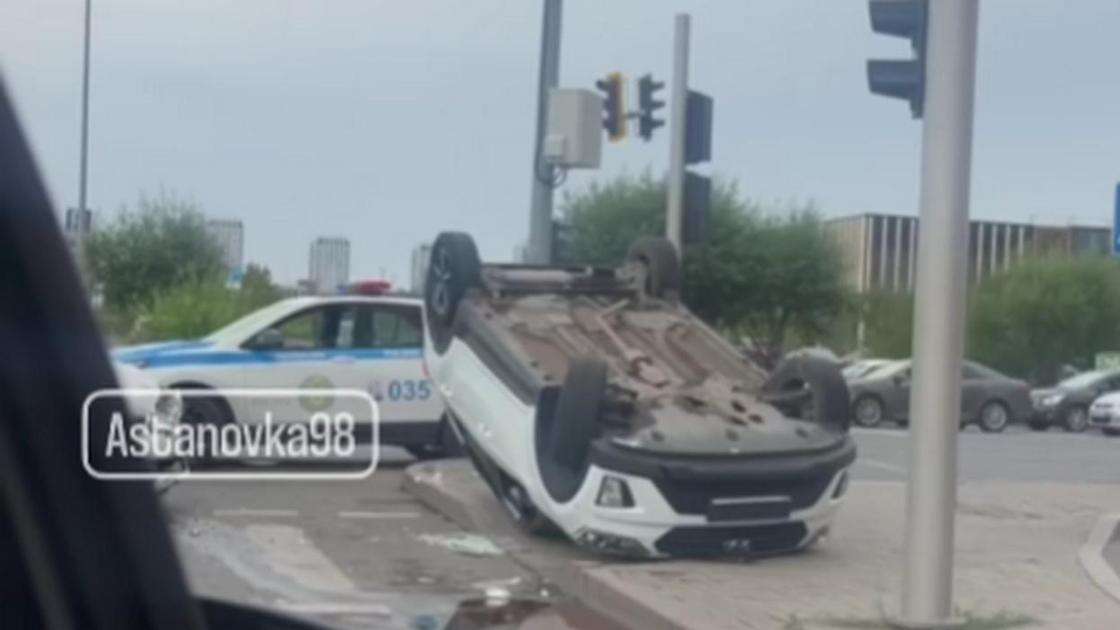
(84, 160)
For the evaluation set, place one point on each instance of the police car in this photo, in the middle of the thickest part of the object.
(360, 340)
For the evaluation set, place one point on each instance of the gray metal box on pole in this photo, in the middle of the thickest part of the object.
(575, 128)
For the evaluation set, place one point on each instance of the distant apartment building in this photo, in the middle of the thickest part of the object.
(229, 234)
(76, 228)
(420, 256)
(880, 250)
(329, 263)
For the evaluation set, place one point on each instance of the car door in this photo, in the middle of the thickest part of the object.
(300, 351)
(897, 395)
(973, 392)
(392, 364)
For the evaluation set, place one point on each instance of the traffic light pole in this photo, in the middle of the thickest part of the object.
(540, 208)
(678, 99)
(939, 314)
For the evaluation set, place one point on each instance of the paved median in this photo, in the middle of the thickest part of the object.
(1017, 561)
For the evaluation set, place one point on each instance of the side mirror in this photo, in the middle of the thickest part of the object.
(268, 339)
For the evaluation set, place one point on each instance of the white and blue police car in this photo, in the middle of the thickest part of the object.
(370, 342)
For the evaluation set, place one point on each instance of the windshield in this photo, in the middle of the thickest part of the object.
(531, 313)
(250, 324)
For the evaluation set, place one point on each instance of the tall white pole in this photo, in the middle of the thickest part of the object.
(540, 210)
(939, 313)
(678, 102)
(84, 159)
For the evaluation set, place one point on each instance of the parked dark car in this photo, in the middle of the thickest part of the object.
(1067, 403)
(988, 399)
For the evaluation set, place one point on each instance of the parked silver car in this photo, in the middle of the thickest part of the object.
(988, 398)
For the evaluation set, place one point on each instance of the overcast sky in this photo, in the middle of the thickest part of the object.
(387, 122)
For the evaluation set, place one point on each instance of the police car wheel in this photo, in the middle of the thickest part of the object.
(446, 445)
(453, 268)
(201, 411)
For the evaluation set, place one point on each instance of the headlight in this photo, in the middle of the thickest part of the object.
(614, 492)
(1052, 399)
(169, 407)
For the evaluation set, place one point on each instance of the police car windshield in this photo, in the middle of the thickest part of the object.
(251, 323)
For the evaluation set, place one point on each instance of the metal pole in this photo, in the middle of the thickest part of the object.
(678, 100)
(939, 314)
(540, 210)
(84, 160)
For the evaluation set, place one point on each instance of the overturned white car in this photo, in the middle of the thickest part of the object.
(593, 402)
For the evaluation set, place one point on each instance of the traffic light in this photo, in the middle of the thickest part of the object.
(900, 78)
(647, 105)
(698, 127)
(614, 110)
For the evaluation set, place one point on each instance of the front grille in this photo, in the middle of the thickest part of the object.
(694, 496)
(733, 540)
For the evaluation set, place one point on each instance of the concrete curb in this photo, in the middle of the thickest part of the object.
(574, 575)
(1092, 559)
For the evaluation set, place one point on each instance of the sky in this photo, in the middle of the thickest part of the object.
(388, 122)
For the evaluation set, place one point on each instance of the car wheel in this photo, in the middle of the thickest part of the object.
(1076, 419)
(1110, 431)
(868, 411)
(446, 445)
(1035, 425)
(810, 388)
(453, 268)
(994, 417)
(663, 269)
(562, 458)
(200, 411)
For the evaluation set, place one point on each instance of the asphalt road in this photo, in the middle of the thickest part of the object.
(366, 554)
(354, 554)
(1015, 455)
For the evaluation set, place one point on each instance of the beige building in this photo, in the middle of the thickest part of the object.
(880, 250)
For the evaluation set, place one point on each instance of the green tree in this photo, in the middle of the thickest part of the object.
(888, 324)
(1046, 313)
(160, 245)
(763, 274)
(196, 308)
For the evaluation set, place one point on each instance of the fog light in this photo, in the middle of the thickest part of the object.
(610, 543)
(841, 486)
(614, 493)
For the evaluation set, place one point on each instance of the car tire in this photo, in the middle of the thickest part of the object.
(1076, 419)
(1035, 425)
(447, 444)
(1110, 431)
(826, 399)
(663, 268)
(575, 422)
(199, 411)
(994, 417)
(453, 268)
(868, 411)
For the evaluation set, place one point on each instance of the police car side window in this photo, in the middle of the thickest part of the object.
(395, 327)
(303, 331)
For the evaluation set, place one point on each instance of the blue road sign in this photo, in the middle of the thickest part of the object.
(1116, 224)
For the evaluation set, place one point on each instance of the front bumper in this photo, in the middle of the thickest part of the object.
(710, 506)
(1104, 418)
